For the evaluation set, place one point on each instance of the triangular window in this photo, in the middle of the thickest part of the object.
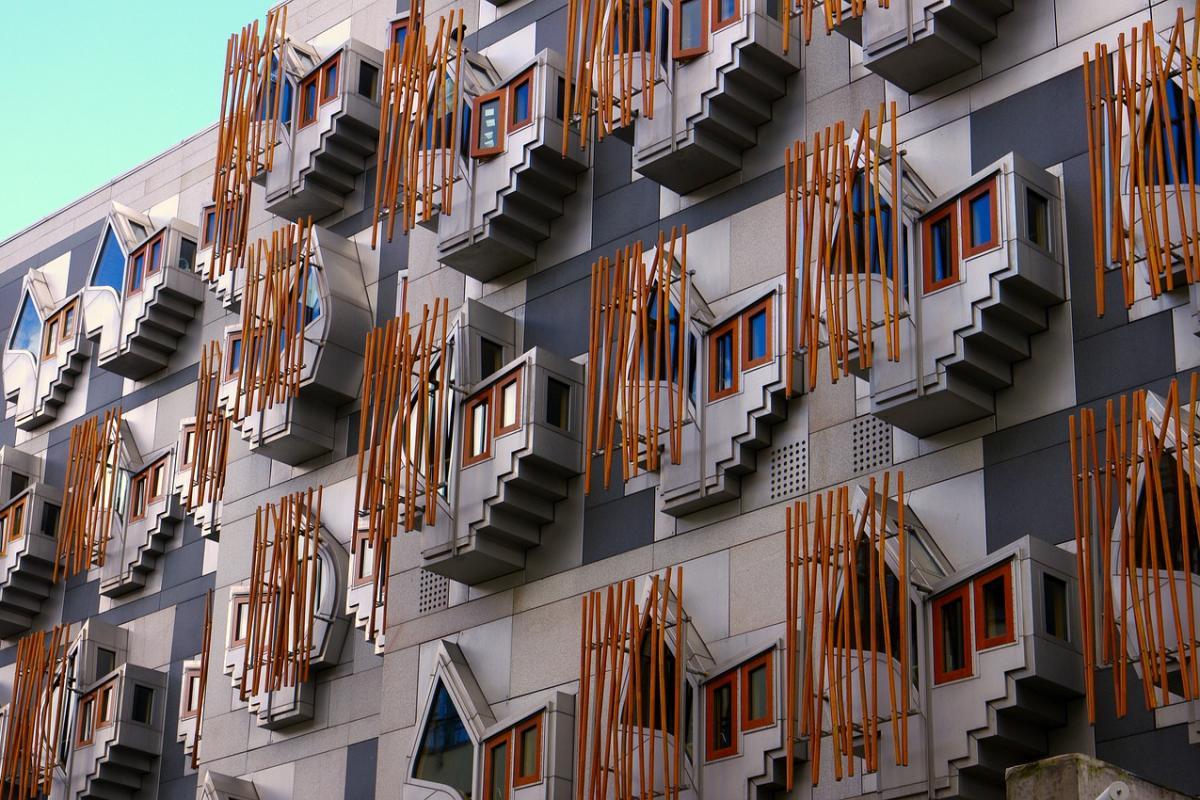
(447, 754)
(110, 265)
(28, 330)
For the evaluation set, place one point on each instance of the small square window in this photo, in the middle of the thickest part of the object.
(691, 28)
(491, 358)
(994, 607)
(368, 79)
(757, 334)
(143, 704)
(1054, 599)
(106, 661)
(951, 636)
(487, 125)
(723, 361)
(558, 404)
(757, 693)
(520, 101)
(721, 738)
(941, 250)
(979, 216)
(725, 13)
(1037, 219)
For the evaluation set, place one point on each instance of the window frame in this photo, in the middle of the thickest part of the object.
(362, 566)
(514, 377)
(711, 752)
(105, 720)
(314, 79)
(989, 187)
(469, 428)
(930, 284)
(144, 251)
(334, 64)
(1044, 201)
(732, 327)
(396, 25)
(717, 22)
(188, 695)
(55, 329)
(1047, 577)
(1004, 574)
(138, 490)
(678, 52)
(766, 304)
(238, 601)
(87, 714)
(526, 79)
(500, 740)
(518, 752)
(159, 466)
(209, 212)
(499, 96)
(12, 520)
(940, 674)
(188, 456)
(229, 369)
(766, 660)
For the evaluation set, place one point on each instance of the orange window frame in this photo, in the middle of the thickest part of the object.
(308, 113)
(68, 321)
(717, 22)
(678, 51)
(231, 367)
(106, 710)
(518, 752)
(931, 284)
(208, 217)
(514, 377)
(154, 264)
(1002, 573)
(525, 79)
(711, 751)
(940, 674)
(50, 338)
(334, 66)
(503, 740)
(767, 661)
(397, 26)
(730, 328)
(158, 478)
(137, 496)
(87, 714)
(364, 567)
(189, 445)
(484, 397)
(238, 603)
(766, 305)
(190, 697)
(14, 519)
(499, 97)
(987, 187)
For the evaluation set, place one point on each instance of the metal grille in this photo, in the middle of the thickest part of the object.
(789, 470)
(435, 592)
(872, 444)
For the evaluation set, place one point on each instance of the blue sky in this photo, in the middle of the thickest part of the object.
(99, 87)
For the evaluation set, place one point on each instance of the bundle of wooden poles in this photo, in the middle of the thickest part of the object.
(830, 662)
(210, 440)
(247, 132)
(419, 124)
(628, 352)
(1125, 558)
(90, 499)
(283, 593)
(629, 743)
(1143, 183)
(401, 435)
(831, 249)
(36, 715)
(205, 655)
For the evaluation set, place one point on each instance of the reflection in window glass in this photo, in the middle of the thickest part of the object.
(28, 329)
(110, 266)
(691, 24)
(722, 716)
(520, 103)
(757, 346)
(446, 752)
(953, 645)
(1037, 219)
(939, 238)
(509, 405)
(981, 219)
(489, 125)
(479, 428)
(724, 377)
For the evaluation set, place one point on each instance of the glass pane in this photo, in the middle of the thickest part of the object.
(981, 219)
(529, 752)
(1037, 219)
(758, 335)
(758, 692)
(509, 405)
(520, 102)
(491, 357)
(995, 609)
(110, 265)
(1054, 597)
(727, 9)
(143, 704)
(187, 255)
(106, 661)
(156, 255)
(557, 396)
(479, 428)
(723, 717)
(952, 635)
(446, 752)
(939, 236)
(242, 620)
(331, 81)
(309, 101)
(725, 361)
(691, 24)
(135, 277)
(489, 125)
(193, 692)
(497, 782)
(28, 329)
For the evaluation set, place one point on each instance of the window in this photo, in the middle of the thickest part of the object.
(1054, 600)
(941, 250)
(758, 710)
(561, 105)
(308, 99)
(329, 78)
(446, 754)
(110, 265)
(17, 483)
(491, 357)
(487, 133)
(189, 445)
(87, 721)
(143, 704)
(994, 607)
(191, 692)
(558, 404)
(1037, 219)
(368, 79)
(233, 357)
(756, 333)
(146, 260)
(725, 13)
(874, 236)
(364, 560)
(158, 474)
(1175, 138)
(240, 628)
(137, 498)
(508, 412)
(721, 722)
(51, 344)
(690, 34)
(104, 705)
(979, 219)
(50, 513)
(106, 661)
(208, 226)
(187, 254)
(951, 636)
(722, 361)
(1180, 518)
(478, 441)
(399, 33)
(527, 752)
(520, 101)
(495, 769)
(60, 327)
(28, 327)
(12, 521)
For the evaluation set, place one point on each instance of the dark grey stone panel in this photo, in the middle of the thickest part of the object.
(618, 526)
(181, 788)
(1078, 201)
(1029, 495)
(558, 321)
(1045, 123)
(1137, 719)
(385, 302)
(362, 760)
(551, 32)
(622, 211)
(187, 633)
(512, 22)
(81, 600)
(81, 257)
(1124, 358)
(104, 387)
(1163, 754)
(182, 564)
(613, 167)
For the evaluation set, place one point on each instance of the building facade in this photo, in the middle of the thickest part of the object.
(363, 464)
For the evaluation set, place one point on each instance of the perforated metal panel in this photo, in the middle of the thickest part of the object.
(872, 444)
(435, 592)
(789, 469)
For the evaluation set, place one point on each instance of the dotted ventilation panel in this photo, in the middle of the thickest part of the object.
(872, 444)
(435, 592)
(789, 469)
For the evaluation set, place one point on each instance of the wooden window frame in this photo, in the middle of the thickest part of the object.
(16, 510)
(733, 328)
(518, 754)
(67, 329)
(50, 337)
(334, 63)
(498, 390)
(302, 107)
(717, 22)
(988, 186)
(941, 675)
(395, 26)
(1002, 573)
(207, 213)
(229, 369)
(159, 466)
(469, 428)
(767, 305)
(489, 746)
(711, 751)
(946, 212)
(110, 689)
(500, 96)
(188, 456)
(364, 568)
(87, 713)
(138, 489)
(188, 697)
(239, 600)
(152, 267)
(525, 78)
(767, 660)
(136, 267)
(678, 52)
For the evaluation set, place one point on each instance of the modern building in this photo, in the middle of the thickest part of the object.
(345, 452)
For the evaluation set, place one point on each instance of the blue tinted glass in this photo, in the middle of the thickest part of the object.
(235, 354)
(331, 81)
(285, 106)
(725, 362)
(940, 245)
(399, 34)
(312, 297)
(981, 219)
(664, 40)
(135, 277)
(1175, 136)
(28, 329)
(210, 225)
(310, 101)
(691, 22)
(520, 103)
(155, 255)
(446, 753)
(728, 8)
(110, 266)
(758, 336)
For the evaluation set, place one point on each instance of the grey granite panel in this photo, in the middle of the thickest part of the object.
(81, 600)
(510, 23)
(81, 257)
(182, 564)
(618, 526)
(361, 762)
(1078, 202)
(1124, 358)
(1030, 494)
(1041, 123)
(551, 32)
(104, 387)
(187, 632)
(558, 320)
(181, 788)
(623, 211)
(613, 166)
(1164, 754)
